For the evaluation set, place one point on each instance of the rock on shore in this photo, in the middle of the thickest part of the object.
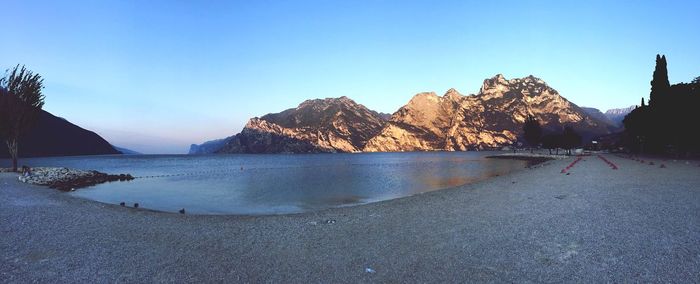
(66, 179)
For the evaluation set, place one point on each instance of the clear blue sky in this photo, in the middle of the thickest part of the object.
(157, 76)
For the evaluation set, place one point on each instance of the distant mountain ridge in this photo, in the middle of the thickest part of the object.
(492, 118)
(618, 114)
(56, 136)
(612, 116)
(596, 113)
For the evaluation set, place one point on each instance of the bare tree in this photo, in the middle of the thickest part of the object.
(570, 139)
(532, 131)
(20, 103)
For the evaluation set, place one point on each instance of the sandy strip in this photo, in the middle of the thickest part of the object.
(639, 223)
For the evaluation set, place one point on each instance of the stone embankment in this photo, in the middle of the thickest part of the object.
(66, 179)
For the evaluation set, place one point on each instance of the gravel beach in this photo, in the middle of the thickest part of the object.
(638, 223)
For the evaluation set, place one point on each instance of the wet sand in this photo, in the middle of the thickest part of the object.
(638, 223)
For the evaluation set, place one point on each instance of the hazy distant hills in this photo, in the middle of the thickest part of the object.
(489, 119)
(209, 147)
(55, 136)
(126, 151)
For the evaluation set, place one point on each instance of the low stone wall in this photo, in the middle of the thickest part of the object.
(66, 179)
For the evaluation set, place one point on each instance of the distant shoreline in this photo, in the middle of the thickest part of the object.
(531, 158)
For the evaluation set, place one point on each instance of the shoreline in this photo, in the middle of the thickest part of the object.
(537, 163)
(532, 159)
(68, 179)
(63, 194)
(535, 160)
(595, 225)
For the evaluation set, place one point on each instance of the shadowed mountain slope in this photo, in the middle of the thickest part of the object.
(55, 136)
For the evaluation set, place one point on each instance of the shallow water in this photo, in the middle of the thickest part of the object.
(275, 184)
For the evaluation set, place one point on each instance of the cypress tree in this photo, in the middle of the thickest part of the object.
(659, 83)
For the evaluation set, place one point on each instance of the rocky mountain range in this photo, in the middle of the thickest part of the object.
(492, 118)
(55, 136)
(315, 126)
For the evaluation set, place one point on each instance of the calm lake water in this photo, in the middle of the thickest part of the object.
(274, 184)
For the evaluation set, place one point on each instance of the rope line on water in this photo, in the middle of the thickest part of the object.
(234, 170)
(189, 174)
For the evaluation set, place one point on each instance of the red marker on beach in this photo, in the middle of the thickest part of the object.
(611, 164)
